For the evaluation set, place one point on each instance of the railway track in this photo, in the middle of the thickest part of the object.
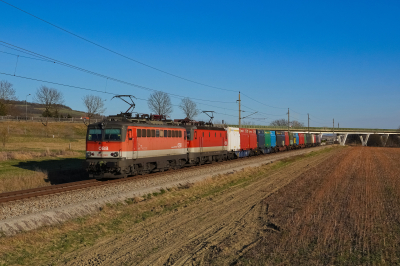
(61, 188)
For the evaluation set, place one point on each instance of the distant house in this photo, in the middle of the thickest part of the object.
(85, 118)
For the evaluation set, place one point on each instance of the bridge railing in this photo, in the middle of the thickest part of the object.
(321, 129)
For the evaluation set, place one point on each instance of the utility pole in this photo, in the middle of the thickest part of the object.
(240, 113)
(26, 107)
(288, 120)
(338, 125)
(308, 123)
(333, 126)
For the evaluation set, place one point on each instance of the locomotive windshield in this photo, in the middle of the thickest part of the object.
(95, 135)
(110, 134)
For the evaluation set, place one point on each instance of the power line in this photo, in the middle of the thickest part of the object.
(49, 59)
(257, 101)
(93, 90)
(56, 83)
(262, 112)
(129, 58)
(114, 52)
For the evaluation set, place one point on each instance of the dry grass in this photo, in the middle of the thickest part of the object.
(30, 155)
(35, 136)
(36, 179)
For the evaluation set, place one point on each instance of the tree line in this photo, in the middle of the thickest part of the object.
(52, 100)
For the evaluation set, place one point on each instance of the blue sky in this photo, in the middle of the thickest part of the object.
(337, 59)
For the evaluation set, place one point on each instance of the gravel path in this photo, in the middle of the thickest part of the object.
(32, 213)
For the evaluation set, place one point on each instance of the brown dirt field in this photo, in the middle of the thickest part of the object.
(215, 230)
(337, 208)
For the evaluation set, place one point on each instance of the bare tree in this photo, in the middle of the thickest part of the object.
(160, 103)
(284, 123)
(279, 123)
(94, 105)
(189, 107)
(51, 99)
(296, 123)
(7, 94)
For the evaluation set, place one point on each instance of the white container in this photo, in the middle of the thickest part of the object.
(233, 139)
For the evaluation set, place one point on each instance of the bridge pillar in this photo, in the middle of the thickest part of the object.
(342, 139)
(364, 142)
(384, 139)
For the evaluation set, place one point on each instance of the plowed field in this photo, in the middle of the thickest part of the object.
(340, 207)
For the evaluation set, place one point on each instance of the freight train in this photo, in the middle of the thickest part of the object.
(122, 146)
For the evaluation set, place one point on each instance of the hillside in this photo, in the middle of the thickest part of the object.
(18, 108)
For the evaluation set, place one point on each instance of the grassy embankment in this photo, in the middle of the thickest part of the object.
(45, 244)
(32, 155)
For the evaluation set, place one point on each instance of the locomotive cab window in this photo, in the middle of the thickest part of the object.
(139, 133)
(173, 133)
(153, 133)
(143, 133)
(165, 133)
(169, 133)
(112, 134)
(157, 133)
(148, 133)
(161, 133)
(180, 134)
(94, 135)
(130, 134)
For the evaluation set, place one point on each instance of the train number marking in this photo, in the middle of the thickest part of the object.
(103, 148)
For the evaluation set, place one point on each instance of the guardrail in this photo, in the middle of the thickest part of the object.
(320, 129)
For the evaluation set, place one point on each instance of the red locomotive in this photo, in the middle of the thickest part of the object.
(121, 146)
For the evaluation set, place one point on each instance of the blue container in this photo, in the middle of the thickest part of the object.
(260, 139)
(296, 138)
(273, 139)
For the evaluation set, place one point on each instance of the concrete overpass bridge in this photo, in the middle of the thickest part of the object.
(342, 134)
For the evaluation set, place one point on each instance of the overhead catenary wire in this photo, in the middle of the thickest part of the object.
(87, 89)
(130, 58)
(117, 53)
(98, 74)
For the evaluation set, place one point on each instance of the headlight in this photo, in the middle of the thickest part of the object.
(88, 154)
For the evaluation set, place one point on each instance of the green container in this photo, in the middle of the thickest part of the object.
(305, 138)
(291, 138)
(267, 139)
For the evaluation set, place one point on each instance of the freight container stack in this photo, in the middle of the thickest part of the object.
(287, 141)
(261, 139)
(244, 142)
(301, 140)
(291, 141)
(273, 140)
(309, 140)
(233, 139)
(253, 141)
(318, 139)
(296, 140)
(280, 138)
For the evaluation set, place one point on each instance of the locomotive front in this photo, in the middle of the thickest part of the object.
(105, 154)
